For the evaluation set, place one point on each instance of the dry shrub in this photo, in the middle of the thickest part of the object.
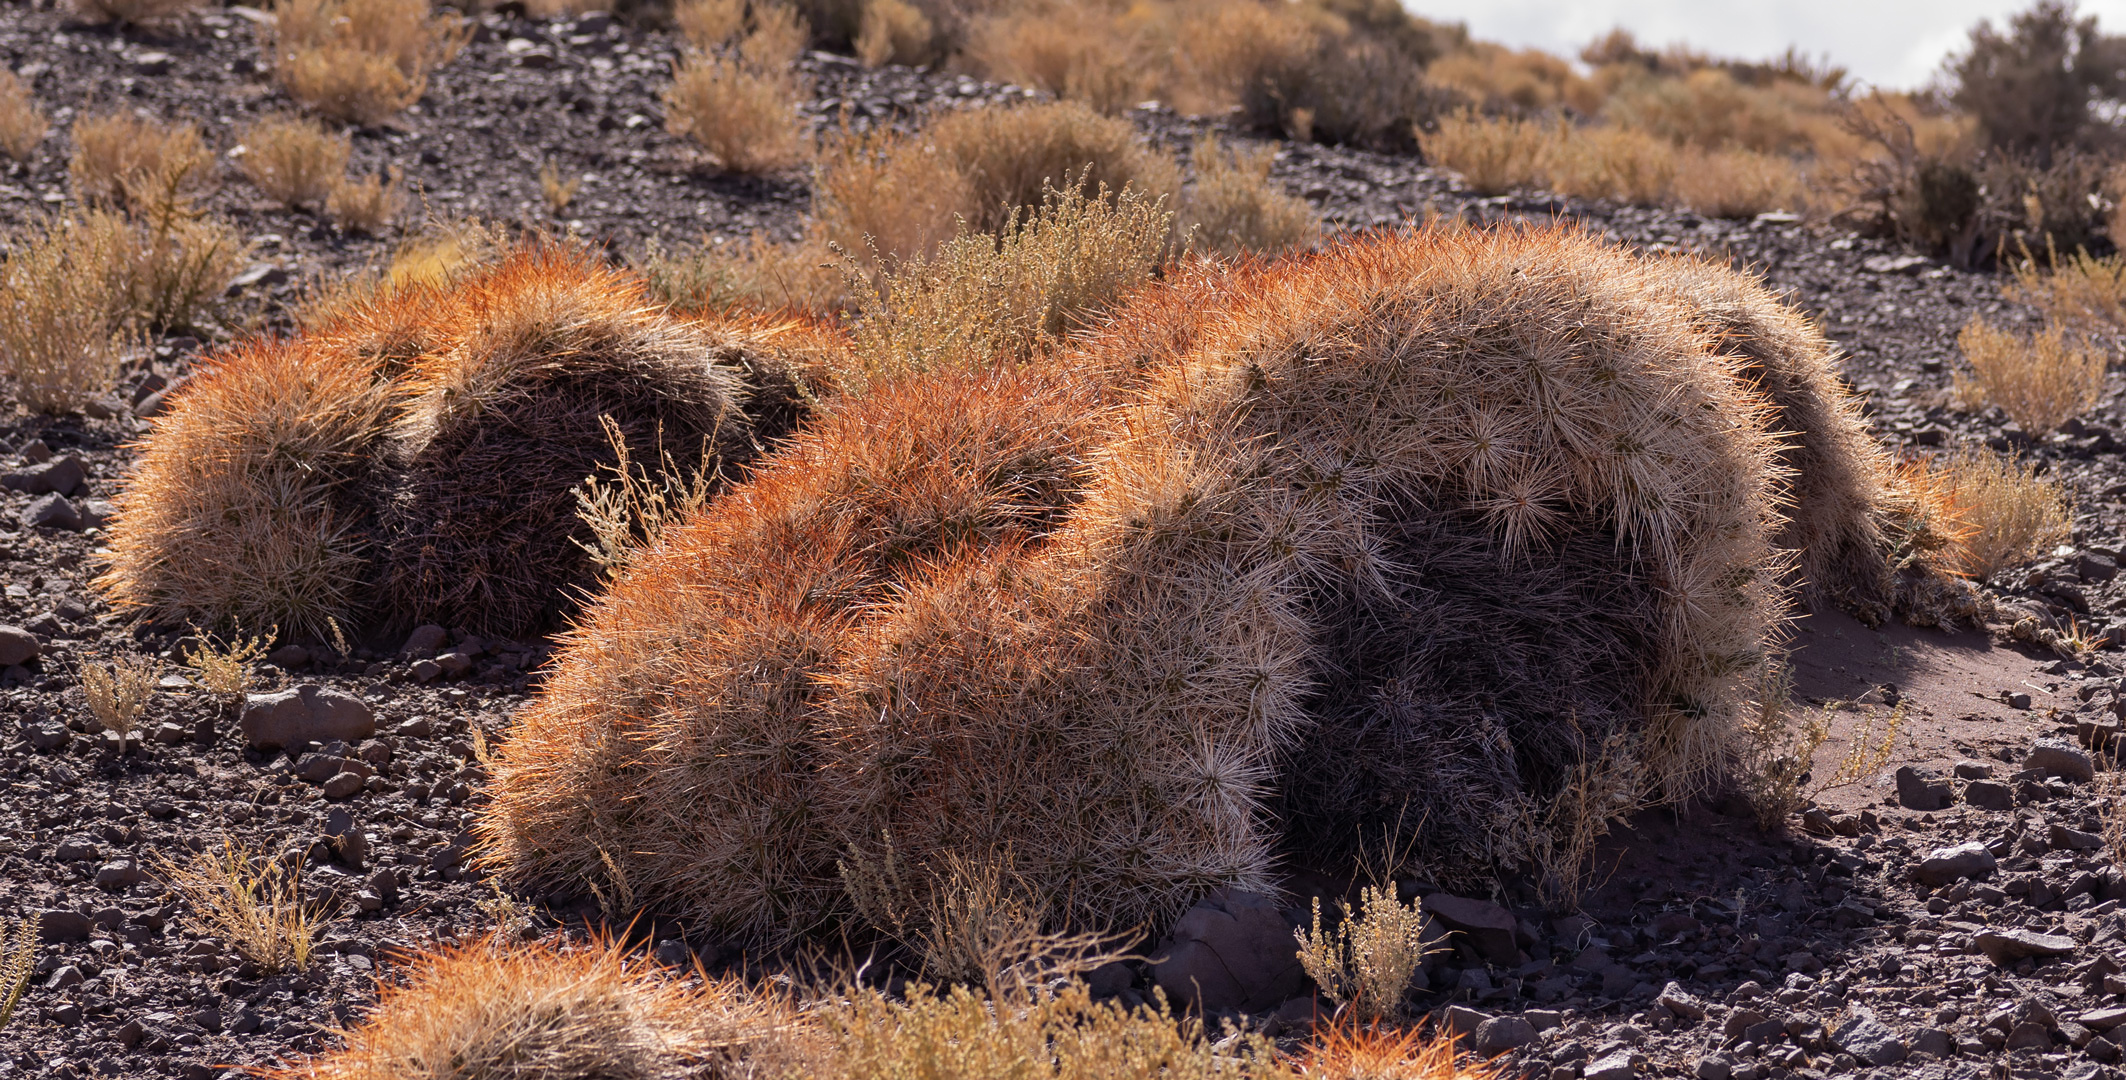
(223, 668)
(494, 1009)
(127, 161)
(888, 194)
(707, 24)
(119, 693)
(1234, 207)
(358, 61)
(174, 262)
(1370, 959)
(2039, 381)
(59, 340)
(959, 1034)
(250, 901)
(747, 607)
(1611, 163)
(557, 192)
(1337, 491)
(1709, 109)
(2082, 292)
(988, 299)
(1073, 51)
(895, 32)
(22, 123)
(1494, 155)
(1501, 79)
(806, 276)
(900, 196)
(499, 425)
(775, 37)
(1737, 183)
(248, 505)
(19, 939)
(2001, 512)
(294, 161)
(1012, 157)
(367, 204)
(745, 117)
(132, 12)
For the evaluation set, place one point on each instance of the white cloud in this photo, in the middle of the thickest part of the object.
(1895, 44)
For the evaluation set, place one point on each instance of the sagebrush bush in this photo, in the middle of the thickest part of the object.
(1233, 207)
(1012, 157)
(2081, 292)
(1737, 183)
(1623, 164)
(707, 24)
(358, 61)
(805, 276)
(1494, 156)
(743, 115)
(22, 123)
(294, 161)
(986, 299)
(2039, 381)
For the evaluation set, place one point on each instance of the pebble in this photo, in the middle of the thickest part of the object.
(1944, 865)
(51, 512)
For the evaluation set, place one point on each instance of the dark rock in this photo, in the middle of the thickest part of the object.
(48, 735)
(1739, 1021)
(1917, 790)
(58, 924)
(1973, 770)
(1490, 928)
(424, 639)
(2060, 758)
(2008, 946)
(289, 656)
(2102, 1019)
(426, 671)
(342, 785)
(2063, 838)
(1502, 1033)
(1713, 1067)
(1868, 1039)
(1933, 1041)
(1233, 950)
(1944, 865)
(2096, 566)
(1676, 1000)
(1987, 795)
(61, 475)
(307, 713)
(17, 646)
(121, 874)
(1615, 1066)
(454, 664)
(2029, 1036)
(51, 512)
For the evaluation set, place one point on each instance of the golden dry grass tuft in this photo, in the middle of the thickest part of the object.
(2083, 292)
(369, 203)
(60, 343)
(806, 276)
(294, 161)
(358, 61)
(900, 196)
(1494, 156)
(707, 24)
(224, 667)
(558, 191)
(1737, 183)
(22, 123)
(895, 32)
(126, 161)
(491, 1008)
(1999, 511)
(2039, 381)
(745, 117)
(1233, 207)
(251, 901)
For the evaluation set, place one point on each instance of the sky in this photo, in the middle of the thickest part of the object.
(1894, 44)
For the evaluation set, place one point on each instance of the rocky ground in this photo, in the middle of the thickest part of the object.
(1956, 913)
